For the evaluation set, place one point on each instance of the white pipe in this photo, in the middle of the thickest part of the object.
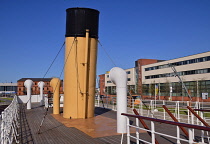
(41, 86)
(28, 84)
(119, 77)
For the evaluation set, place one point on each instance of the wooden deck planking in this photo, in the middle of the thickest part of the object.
(53, 131)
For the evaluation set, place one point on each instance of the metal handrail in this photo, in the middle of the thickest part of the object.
(153, 132)
(203, 110)
(9, 123)
(169, 122)
(192, 111)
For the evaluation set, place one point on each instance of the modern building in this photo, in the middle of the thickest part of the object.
(108, 88)
(7, 89)
(194, 70)
(155, 79)
(21, 90)
(138, 66)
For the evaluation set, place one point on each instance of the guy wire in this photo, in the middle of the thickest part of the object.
(106, 53)
(49, 67)
(56, 85)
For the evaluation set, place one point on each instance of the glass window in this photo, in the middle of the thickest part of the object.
(136, 63)
(1, 88)
(200, 59)
(208, 82)
(205, 70)
(9, 88)
(185, 62)
(156, 67)
(147, 77)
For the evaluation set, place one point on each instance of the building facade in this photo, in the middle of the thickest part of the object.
(159, 78)
(21, 90)
(138, 66)
(153, 78)
(108, 88)
(8, 89)
(102, 84)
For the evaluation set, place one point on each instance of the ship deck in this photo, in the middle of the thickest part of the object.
(98, 130)
(55, 129)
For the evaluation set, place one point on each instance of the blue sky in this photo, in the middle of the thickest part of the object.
(32, 32)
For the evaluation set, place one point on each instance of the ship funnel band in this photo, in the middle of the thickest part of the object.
(80, 19)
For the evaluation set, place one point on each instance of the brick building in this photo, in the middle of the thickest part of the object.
(138, 66)
(108, 88)
(21, 90)
(102, 84)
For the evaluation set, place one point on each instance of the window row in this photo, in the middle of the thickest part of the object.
(128, 79)
(182, 73)
(8, 88)
(195, 88)
(112, 90)
(191, 61)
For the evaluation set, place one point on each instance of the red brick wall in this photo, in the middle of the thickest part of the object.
(21, 90)
(102, 84)
(140, 63)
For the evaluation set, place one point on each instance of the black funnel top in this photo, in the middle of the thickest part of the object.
(80, 19)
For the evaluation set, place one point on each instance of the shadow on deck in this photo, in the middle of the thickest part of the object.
(98, 130)
(54, 132)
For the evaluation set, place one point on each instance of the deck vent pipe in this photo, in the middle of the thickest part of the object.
(119, 77)
(28, 84)
(41, 86)
(55, 84)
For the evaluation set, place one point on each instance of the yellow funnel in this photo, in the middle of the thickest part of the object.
(80, 58)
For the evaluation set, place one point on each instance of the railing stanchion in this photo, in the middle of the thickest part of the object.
(188, 113)
(178, 135)
(178, 112)
(190, 136)
(128, 131)
(107, 102)
(137, 131)
(175, 110)
(164, 111)
(192, 119)
(98, 102)
(142, 112)
(153, 132)
(132, 101)
(202, 131)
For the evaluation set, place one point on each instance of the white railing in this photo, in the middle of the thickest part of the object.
(47, 104)
(151, 108)
(153, 132)
(9, 123)
(154, 109)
